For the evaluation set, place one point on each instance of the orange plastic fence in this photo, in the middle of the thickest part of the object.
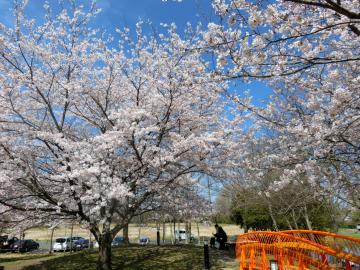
(297, 250)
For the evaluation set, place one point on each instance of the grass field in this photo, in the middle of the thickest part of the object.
(350, 232)
(179, 257)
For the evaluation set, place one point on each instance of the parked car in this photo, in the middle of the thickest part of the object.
(76, 238)
(182, 235)
(62, 244)
(66, 243)
(144, 240)
(118, 241)
(82, 244)
(24, 245)
(96, 244)
(6, 242)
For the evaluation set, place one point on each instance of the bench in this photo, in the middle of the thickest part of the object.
(230, 246)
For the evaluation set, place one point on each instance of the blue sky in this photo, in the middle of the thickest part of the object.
(118, 13)
(121, 13)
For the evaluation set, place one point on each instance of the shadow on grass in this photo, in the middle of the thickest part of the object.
(133, 257)
(16, 257)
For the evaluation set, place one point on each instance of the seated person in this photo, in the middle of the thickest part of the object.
(220, 237)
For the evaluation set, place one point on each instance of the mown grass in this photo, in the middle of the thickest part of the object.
(15, 257)
(350, 232)
(181, 257)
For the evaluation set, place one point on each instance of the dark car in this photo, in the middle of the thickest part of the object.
(118, 240)
(82, 244)
(144, 240)
(6, 242)
(24, 245)
(76, 238)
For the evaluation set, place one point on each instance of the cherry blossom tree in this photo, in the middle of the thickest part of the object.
(307, 51)
(99, 133)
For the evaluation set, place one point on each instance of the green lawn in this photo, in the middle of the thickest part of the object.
(180, 257)
(350, 232)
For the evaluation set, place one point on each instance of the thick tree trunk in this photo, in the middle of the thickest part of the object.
(104, 257)
(126, 234)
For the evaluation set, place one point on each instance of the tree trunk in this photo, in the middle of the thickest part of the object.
(245, 227)
(307, 219)
(164, 232)
(198, 231)
(288, 223)
(294, 219)
(273, 218)
(174, 231)
(178, 227)
(171, 233)
(190, 231)
(126, 233)
(104, 257)
(51, 240)
(90, 244)
(71, 236)
(139, 232)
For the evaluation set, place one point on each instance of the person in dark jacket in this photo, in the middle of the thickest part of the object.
(220, 237)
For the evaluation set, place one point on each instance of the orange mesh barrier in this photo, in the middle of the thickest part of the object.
(296, 250)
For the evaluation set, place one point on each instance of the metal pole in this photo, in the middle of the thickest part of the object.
(158, 237)
(206, 256)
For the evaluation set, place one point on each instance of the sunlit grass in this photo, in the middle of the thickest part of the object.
(350, 232)
(126, 257)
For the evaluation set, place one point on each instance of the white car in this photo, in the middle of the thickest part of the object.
(182, 235)
(62, 244)
(65, 243)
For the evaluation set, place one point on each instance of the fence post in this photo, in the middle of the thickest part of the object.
(158, 237)
(206, 256)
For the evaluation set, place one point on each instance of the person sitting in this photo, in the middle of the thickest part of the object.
(220, 237)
